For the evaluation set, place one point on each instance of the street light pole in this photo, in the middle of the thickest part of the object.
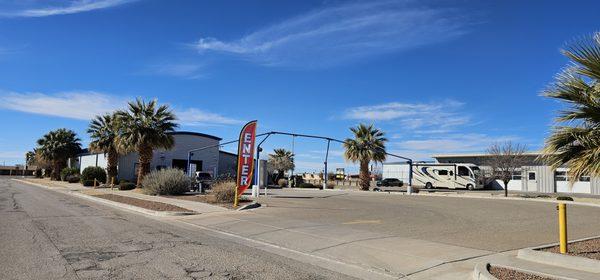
(326, 157)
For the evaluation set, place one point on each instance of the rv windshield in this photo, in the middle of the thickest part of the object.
(475, 170)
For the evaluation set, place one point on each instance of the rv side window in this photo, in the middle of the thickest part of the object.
(442, 172)
(463, 171)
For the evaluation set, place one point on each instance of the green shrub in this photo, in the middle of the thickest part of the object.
(73, 178)
(331, 185)
(282, 182)
(306, 185)
(87, 183)
(67, 172)
(91, 173)
(123, 181)
(167, 181)
(224, 192)
(566, 198)
(38, 173)
(125, 186)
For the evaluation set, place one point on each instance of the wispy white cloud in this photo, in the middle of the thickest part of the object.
(84, 105)
(339, 34)
(81, 105)
(448, 143)
(178, 70)
(196, 117)
(420, 130)
(4, 155)
(51, 8)
(437, 117)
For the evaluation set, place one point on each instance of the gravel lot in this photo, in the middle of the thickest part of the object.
(509, 274)
(146, 204)
(587, 248)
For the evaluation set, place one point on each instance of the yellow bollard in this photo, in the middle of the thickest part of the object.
(112, 183)
(95, 183)
(562, 227)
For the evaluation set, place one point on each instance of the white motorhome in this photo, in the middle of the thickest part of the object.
(436, 175)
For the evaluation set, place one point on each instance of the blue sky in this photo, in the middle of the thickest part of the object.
(436, 76)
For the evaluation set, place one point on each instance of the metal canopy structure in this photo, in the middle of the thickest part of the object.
(268, 134)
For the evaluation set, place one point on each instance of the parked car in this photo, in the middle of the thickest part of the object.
(389, 182)
(203, 181)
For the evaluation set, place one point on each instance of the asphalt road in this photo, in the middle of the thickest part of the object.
(484, 224)
(49, 235)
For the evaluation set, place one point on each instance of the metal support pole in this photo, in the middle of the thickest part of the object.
(257, 169)
(410, 172)
(325, 173)
(292, 181)
(410, 169)
(562, 227)
(189, 163)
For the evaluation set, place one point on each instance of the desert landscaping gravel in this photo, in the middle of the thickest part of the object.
(146, 204)
(587, 248)
(509, 274)
(208, 198)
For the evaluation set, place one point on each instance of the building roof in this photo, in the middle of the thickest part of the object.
(195, 134)
(228, 153)
(85, 152)
(479, 155)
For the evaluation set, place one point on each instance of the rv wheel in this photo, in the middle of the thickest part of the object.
(428, 185)
(470, 187)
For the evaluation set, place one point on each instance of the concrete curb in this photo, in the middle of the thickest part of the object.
(251, 206)
(482, 272)
(131, 207)
(455, 195)
(566, 261)
(112, 203)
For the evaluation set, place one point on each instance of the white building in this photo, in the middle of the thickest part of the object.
(534, 176)
(206, 160)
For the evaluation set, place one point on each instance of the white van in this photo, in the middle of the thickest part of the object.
(437, 175)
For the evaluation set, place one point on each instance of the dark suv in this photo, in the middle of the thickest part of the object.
(389, 182)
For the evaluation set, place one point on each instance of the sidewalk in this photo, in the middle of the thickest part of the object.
(579, 199)
(198, 207)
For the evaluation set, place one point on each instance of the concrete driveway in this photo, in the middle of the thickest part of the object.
(398, 235)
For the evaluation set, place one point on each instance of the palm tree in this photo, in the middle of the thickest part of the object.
(281, 160)
(368, 145)
(57, 147)
(575, 140)
(103, 132)
(29, 158)
(145, 127)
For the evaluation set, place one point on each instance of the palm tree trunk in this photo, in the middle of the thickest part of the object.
(55, 175)
(145, 160)
(365, 179)
(113, 161)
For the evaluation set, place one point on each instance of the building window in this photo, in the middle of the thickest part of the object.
(584, 179)
(531, 175)
(463, 171)
(516, 175)
(561, 176)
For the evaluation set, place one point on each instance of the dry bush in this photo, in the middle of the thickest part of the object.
(224, 192)
(282, 183)
(167, 181)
